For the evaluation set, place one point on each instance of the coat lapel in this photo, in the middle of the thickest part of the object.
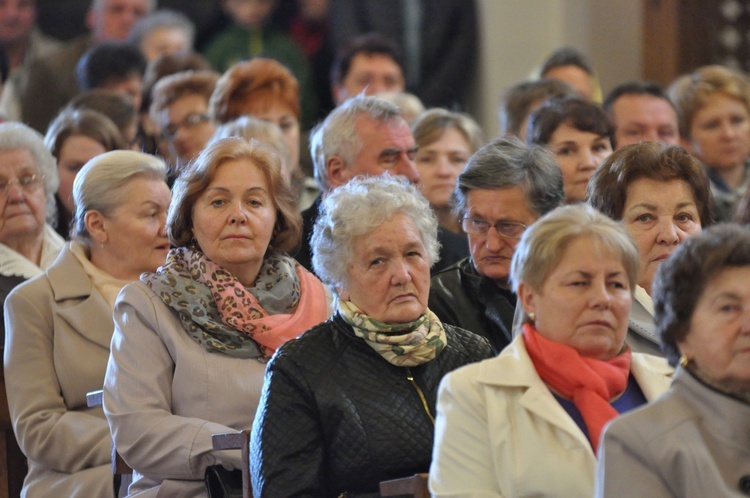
(79, 304)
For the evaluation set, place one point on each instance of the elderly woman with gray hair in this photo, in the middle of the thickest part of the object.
(28, 182)
(527, 423)
(504, 188)
(692, 442)
(351, 402)
(64, 316)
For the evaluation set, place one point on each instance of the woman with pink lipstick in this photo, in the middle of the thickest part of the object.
(579, 133)
(351, 402)
(527, 422)
(713, 108)
(192, 339)
(661, 194)
(59, 324)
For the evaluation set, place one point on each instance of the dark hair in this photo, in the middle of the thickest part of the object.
(116, 106)
(518, 100)
(369, 44)
(508, 162)
(683, 277)
(636, 88)
(573, 110)
(566, 56)
(107, 61)
(607, 188)
(167, 64)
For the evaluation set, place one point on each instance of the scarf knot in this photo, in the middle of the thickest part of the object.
(224, 316)
(588, 382)
(401, 344)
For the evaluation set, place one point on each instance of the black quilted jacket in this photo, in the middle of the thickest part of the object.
(336, 418)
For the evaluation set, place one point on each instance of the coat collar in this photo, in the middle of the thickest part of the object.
(90, 316)
(514, 368)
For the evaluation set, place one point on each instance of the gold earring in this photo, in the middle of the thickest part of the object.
(684, 361)
(532, 316)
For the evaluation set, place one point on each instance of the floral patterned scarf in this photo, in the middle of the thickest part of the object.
(223, 316)
(401, 344)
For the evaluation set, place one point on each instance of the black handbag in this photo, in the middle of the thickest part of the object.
(223, 483)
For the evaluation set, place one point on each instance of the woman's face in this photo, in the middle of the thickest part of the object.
(22, 209)
(720, 132)
(439, 164)
(74, 153)
(389, 274)
(281, 115)
(718, 340)
(234, 217)
(659, 215)
(578, 154)
(584, 302)
(136, 237)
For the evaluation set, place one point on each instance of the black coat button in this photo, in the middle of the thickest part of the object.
(744, 484)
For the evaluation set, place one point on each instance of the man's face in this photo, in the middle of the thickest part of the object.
(387, 147)
(114, 19)
(17, 17)
(371, 73)
(644, 117)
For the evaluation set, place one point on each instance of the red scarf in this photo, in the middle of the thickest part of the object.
(590, 383)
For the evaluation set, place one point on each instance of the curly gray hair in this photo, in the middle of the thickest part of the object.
(358, 208)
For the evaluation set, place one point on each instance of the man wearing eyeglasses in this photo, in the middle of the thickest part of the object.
(503, 189)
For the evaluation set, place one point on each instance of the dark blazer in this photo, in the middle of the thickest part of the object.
(464, 298)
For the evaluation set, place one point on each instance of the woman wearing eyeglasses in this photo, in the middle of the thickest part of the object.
(504, 188)
(28, 182)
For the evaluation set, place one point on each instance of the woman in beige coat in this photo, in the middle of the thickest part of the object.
(192, 340)
(693, 441)
(527, 422)
(59, 324)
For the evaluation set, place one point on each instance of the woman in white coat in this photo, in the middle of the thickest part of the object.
(59, 324)
(527, 422)
(192, 340)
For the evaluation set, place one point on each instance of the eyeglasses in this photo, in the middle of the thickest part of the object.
(507, 229)
(190, 121)
(27, 182)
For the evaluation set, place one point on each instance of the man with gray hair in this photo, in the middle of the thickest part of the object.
(363, 136)
(52, 81)
(503, 189)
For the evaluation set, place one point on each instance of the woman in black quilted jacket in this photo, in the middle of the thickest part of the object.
(351, 402)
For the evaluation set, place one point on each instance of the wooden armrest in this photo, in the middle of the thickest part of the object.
(229, 440)
(95, 398)
(237, 441)
(415, 486)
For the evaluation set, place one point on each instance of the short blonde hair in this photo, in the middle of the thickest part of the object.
(431, 124)
(543, 244)
(690, 92)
